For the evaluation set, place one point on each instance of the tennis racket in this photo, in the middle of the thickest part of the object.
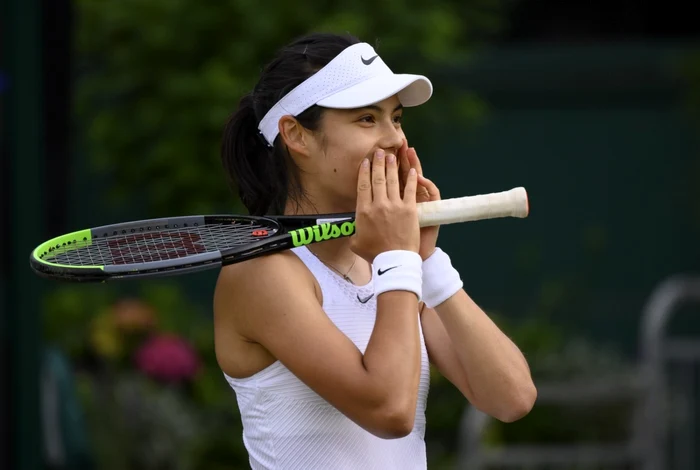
(180, 245)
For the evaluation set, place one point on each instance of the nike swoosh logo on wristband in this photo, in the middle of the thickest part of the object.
(380, 272)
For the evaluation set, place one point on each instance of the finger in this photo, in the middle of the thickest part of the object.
(413, 160)
(401, 154)
(379, 176)
(409, 192)
(392, 178)
(422, 193)
(364, 186)
(404, 165)
(430, 187)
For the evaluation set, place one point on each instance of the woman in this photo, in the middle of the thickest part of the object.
(328, 346)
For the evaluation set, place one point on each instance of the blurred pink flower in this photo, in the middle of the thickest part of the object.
(168, 358)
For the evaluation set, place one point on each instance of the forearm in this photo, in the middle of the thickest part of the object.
(498, 374)
(392, 356)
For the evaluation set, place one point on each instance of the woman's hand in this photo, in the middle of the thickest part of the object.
(386, 217)
(425, 191)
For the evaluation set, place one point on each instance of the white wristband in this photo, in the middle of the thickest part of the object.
(440, 279)
(397, 270)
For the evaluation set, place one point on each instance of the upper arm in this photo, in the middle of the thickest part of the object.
(281, 312)
(442, 353)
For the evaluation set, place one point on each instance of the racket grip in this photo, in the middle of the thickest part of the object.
(511, 203)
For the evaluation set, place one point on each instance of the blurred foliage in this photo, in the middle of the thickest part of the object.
(554, 357)
(690, 74)
(555, 354)
(156, 80)
(135, 419)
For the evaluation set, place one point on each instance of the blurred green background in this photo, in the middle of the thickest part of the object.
(114, 110)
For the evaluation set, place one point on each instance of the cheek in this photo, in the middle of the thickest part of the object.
(343, 176)
(342, 172)
(343, 157)
(345, 162)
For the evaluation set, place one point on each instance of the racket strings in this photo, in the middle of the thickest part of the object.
(161, 245)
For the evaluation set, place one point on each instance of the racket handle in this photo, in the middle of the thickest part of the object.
(511, 203)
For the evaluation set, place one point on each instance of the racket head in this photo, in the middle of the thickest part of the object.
(153, 247)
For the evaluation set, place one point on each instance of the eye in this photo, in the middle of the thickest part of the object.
(367, 118)
(398, 119)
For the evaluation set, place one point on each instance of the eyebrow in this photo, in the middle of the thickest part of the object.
(374, 107)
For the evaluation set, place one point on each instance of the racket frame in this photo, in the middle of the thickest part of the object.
(286, 235)
(289, 231)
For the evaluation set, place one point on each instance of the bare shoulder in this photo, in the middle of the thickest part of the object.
(259, 275)
(247, 287)
(242, 306)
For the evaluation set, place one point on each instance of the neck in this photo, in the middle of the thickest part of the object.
(310, 203)
(337, 255)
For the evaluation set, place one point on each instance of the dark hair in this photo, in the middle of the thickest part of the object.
(266, 176)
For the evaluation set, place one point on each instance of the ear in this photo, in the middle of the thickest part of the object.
(294, 136)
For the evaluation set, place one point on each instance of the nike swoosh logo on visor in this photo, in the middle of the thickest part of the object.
(368, 61)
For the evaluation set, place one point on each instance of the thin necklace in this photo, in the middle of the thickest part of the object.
(345, 276)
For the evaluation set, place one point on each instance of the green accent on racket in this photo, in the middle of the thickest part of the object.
(52, 249)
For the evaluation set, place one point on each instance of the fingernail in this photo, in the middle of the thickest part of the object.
(391, 158)
(412, 171)
(380, 153)
(365, 163)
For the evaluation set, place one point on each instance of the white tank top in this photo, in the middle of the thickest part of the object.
(286, 425)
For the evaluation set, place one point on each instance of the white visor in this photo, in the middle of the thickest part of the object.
(355, 78)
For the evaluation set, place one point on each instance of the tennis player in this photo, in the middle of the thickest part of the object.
(328, 347)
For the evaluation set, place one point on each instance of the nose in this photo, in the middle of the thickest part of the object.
(392, 138)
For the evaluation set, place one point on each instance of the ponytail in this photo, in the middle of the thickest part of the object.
(247, 159)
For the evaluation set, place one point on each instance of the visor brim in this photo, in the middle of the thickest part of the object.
(412, 90)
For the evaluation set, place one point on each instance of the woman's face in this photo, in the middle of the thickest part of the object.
(346, 137)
